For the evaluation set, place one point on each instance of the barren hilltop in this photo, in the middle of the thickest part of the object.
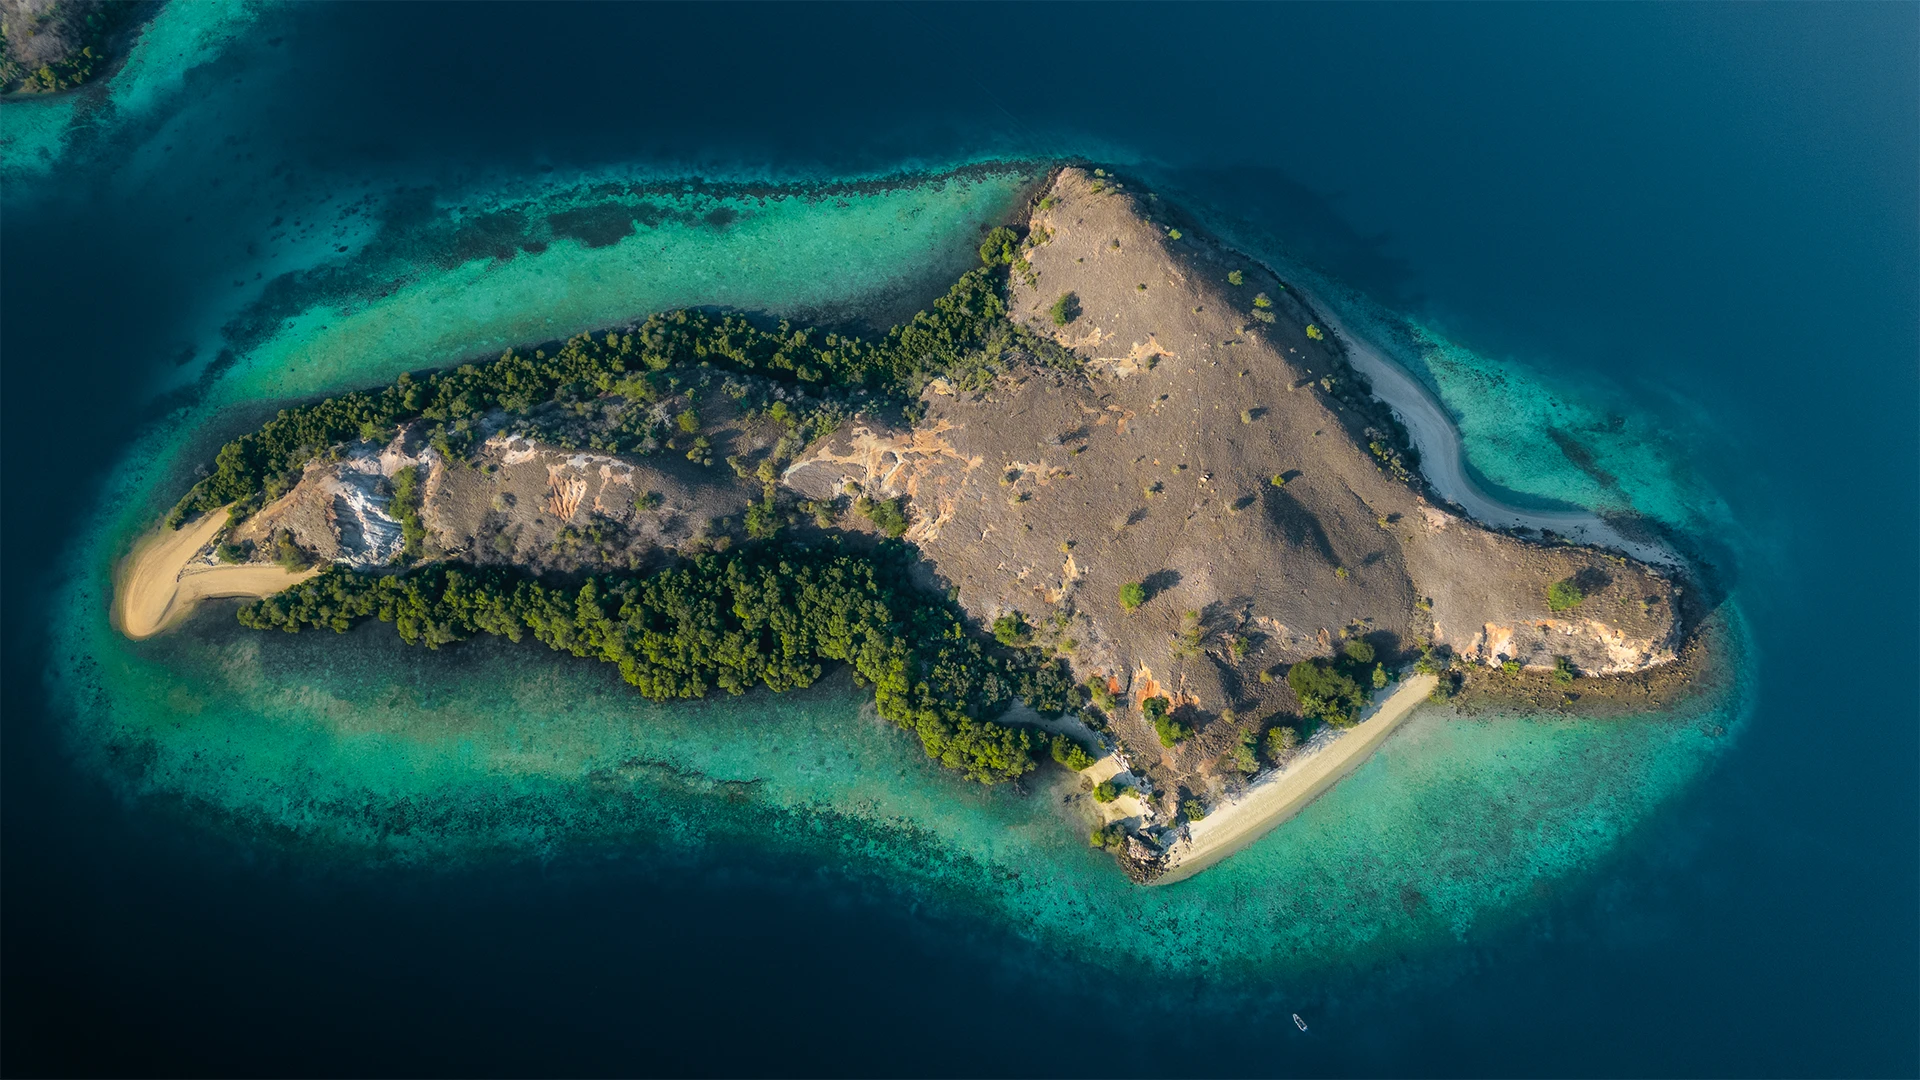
(1123, 450)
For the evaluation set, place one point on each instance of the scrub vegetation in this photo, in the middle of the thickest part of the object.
(965, 337)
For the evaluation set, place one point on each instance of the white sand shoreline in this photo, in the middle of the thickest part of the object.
(158, 583)
(1442, 459)
(1285, 792)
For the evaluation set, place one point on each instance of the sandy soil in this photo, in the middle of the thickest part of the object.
(1126, 807)
(1284, 793)
(1438, 441)
(158, 585)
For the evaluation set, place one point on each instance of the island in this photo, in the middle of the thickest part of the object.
(48, 46)
(1122, 501)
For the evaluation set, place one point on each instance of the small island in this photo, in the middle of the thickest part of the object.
(1122, 500)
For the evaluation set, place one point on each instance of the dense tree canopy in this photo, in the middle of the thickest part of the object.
(964, 336)
(772, 615)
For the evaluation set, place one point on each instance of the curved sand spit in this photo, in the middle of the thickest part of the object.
(1442, 460)
(159, 583)
(1283, 793)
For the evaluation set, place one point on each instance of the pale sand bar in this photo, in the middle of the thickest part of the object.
(159, 582)
(1443, 461)
(1281, 794)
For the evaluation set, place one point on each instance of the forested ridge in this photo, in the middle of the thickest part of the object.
(770, 615)
(965, 334)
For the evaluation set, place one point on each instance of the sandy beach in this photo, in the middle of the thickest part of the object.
(159, 582)
(1284, 792)
(1441, 457)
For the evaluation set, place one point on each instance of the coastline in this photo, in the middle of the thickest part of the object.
(1443, 460)
(157, 584)
(1285, 792)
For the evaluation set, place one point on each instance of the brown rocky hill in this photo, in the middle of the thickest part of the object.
(1045, 493)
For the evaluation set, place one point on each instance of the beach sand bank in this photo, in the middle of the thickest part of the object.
(1443, 460)
(1283, 793)
(159, 581)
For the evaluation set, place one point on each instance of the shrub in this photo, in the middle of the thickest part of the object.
(1379, 676)
(1001, 248)
(763, 520)
(1326, 692)
(1314, 332)
(1235, 277)
(1159, 711)
(1242, 757)
(1100, 694)
(1071, 754)
(1132, 595)
(231, 553)
(1282, 743)
(1186, 641)
(1246, 416)
(688, 421)
(1262, 300)
(1012, 630)
(405, 508)
(1563, 670)
(650, 500)
(288, 553)
(1564, 595)
(1173, 234)
(1106, 791)
(884, 513)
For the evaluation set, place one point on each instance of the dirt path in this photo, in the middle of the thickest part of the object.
(1282, 794)
(156, 586)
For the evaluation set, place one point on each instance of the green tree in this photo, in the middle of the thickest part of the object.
(1001, 247)
(1132, 595)
(1283, 741)
(1159, 713)
(763, 520)
(1065, 310)
(1326, 692)
(1070, 753)
(1564, 595)
(1012, 629)
(885, 514)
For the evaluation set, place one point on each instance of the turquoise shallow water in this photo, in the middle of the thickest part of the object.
(357, 748)
(1659, 257)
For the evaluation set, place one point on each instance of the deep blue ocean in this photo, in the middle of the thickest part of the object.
(1707, 215)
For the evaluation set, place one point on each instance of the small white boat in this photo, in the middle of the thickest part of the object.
(1299, 1023)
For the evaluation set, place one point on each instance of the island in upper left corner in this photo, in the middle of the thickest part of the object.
(47, 46)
